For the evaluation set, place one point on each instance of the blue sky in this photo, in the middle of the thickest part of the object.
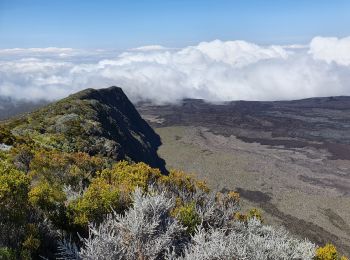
(176, 23)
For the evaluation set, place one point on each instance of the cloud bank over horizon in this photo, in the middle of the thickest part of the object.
(215, 71)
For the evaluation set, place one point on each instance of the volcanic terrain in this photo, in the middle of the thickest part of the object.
(290, 158)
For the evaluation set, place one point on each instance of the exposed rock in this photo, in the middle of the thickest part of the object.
(4, 147)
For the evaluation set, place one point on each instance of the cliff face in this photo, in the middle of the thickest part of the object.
(102, 122)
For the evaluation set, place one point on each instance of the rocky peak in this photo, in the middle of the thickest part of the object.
(102, 121)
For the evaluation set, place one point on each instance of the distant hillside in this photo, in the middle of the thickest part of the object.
(99, 122)
(11, 107)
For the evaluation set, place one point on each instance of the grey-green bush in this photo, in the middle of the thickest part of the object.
(148, 231)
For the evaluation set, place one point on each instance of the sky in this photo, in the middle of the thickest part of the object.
(164, 50)
(173, 23)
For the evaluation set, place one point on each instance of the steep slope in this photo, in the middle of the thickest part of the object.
(102, 122)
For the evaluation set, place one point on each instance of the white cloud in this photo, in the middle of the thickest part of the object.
(213, 70)
(239, 53)
(150, 48)
(331, 49)
(35, 50)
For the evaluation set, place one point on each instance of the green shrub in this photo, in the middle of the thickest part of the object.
(14, 187)
(75, 169)
(6, 136)
(187, 216)
(46, 196)
(7, 254)
(255, 213)
(31, 242)
(98, 200)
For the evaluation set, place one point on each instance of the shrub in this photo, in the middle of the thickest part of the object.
(252, 213)
(148, 231)
(50, 165)
(166, 217)
(96, 202)
(145, 231)
(7, 254)
(328, 252)
(46, 196)
(128, 176)
(241, 217)
(22, 155)
(251, 241)
(75, 169)
(179, 181)
(234, 196)
(110, 190)
(31, 242)
(6, 136)
(255, 213)
(187, 216)
(14, 186)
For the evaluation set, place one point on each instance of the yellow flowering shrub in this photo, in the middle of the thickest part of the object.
(14, 186)
(234, 196)
(241, 217)
(128, 176)
(46, 196)
(252, 213)
(183, 181)
(99, 199)
(110, 190)
(328, 252)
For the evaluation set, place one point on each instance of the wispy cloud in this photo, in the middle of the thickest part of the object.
(213, 70)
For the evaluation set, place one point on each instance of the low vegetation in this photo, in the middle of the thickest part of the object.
(129, 211)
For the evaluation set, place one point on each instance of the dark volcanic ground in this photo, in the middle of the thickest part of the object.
(290, 158)
(323, 123)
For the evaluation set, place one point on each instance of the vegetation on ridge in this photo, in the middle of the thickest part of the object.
(103, 123)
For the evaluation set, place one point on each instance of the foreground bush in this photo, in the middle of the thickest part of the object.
(148, 231)
(144, 232)
(128, 211)
(111, 189)
(250, 240)
(18, 236)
